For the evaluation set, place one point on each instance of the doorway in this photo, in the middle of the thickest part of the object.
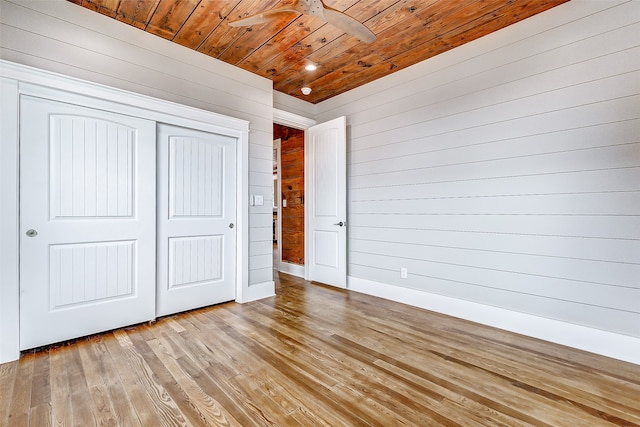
(289, 197)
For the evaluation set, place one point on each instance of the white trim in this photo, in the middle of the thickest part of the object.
(277, 194)
(617, 346)
(156, 106)
(242, 217)
(19, 80)
(292, 269)
(292, 120)
(308, 195)
(259, 291)
(9, 232)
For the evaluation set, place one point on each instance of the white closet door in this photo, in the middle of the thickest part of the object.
(87, 221)
(196, 219)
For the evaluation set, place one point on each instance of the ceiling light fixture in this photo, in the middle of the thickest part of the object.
(311, 67)
(306, 90)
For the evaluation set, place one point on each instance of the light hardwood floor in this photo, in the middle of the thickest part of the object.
(316, 356)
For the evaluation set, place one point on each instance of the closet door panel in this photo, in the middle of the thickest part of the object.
(87, 215)
(196, 219)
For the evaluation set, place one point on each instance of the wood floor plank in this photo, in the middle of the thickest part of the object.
(40, 415)
(84, 411)
(7, 381)
(311, 380)
(551, 367)
(316, 356)
(210, 411)
(97, 389)
(348, 374)
(426, 392)
(41, 382)
(162, 375)
(597, 412)
(105, 367)
(546, 381)
(161, 400)
(213, 388)
(20, 406)
(132, 386)
(475, 412)
(288, 393)
(205, 363)
(61, 412)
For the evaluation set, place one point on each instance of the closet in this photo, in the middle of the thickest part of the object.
(126, 213)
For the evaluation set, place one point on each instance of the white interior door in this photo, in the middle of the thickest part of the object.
(328, 202)
(196, 219)
(87, 221)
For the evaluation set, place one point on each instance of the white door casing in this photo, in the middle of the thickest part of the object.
(327, 203)
(196, 219)
(277, 196)
(87, 199)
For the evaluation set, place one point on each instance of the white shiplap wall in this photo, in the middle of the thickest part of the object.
(59, 36)
(506, 172)
(288, 103)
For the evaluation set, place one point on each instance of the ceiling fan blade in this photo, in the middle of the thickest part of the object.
(262, 17)
(349, 25)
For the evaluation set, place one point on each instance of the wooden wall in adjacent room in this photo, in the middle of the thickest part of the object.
(292, 188)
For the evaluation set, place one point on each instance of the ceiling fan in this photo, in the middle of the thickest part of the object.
(334, 17)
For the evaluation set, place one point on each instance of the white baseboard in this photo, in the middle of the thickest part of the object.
(292, 269)
(617, 346)
(258, 291)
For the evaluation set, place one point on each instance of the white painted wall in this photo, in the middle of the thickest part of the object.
(290, 104)
(506, 172)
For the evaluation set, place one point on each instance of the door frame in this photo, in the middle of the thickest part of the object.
(17, 80)
(296, 121)
(277, 200)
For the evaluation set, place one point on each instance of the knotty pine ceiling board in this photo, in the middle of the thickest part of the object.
(407, 32)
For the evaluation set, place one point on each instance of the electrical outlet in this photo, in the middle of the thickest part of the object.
(403, 273)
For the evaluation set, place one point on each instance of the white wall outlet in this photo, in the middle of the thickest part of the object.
(259, 200)
(284, 203)
(403, 273)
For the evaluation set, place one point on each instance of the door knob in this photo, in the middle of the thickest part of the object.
(231, 225)
(32, 233)
(340, 224)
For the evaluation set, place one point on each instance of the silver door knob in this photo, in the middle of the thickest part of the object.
(32, 233)
(231, 225)
(340, 224)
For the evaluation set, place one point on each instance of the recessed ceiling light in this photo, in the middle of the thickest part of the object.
(306, 90)
(310, 67)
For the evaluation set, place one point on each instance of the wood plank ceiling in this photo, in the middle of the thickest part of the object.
(408, 31)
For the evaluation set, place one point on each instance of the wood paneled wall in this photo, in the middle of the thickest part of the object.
(506, 172)
(292, 190)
